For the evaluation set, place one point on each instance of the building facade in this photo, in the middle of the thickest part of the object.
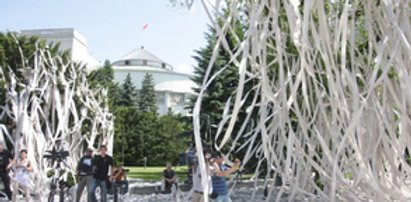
(173, 89)
(70, 40)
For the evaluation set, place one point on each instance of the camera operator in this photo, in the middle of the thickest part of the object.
(120, 181)
(85, 173)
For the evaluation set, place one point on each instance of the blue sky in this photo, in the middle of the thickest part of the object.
(113, 28)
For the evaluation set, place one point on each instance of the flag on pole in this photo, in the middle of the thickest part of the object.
(145, 26)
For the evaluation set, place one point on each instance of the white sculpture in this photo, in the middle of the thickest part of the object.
(339, 105)
(52, 104)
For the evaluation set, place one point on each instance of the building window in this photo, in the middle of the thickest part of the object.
(176, 99)
(163, 65)
(127, 62)
(160, 98)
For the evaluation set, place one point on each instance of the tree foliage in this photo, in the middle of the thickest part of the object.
(104, 78)
(138, 133)
(147, 98)
(142, 132)
(221, 91)
(128, 94)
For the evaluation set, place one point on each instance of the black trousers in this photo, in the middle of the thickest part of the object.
(6, 181)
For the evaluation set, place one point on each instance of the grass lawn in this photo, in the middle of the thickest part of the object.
(155, 173)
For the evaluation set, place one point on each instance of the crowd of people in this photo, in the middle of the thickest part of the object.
(93, 171)
(98, 171)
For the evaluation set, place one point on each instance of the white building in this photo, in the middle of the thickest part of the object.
(69, 39)
(173, 89)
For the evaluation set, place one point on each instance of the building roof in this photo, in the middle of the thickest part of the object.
(176, 86)
(140, 54)
(142, 57)
(70, 40)
(56, 34)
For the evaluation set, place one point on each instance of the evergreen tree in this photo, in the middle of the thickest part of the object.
(128, 145)
(162, 137)
(147, 99)
(104, 77)
(129, 93)
(221, 88)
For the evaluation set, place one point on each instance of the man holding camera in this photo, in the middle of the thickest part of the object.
(85, 173)
(120, 183)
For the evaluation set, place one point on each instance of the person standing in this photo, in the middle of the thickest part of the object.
(85, 173)
(5, 164)
(220, 188)
(120, 182)
(102, 164)
(198, 194)
(21, 167)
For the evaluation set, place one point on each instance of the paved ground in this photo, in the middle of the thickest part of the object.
(240, 195)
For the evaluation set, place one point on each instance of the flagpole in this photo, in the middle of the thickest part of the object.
(143, 28)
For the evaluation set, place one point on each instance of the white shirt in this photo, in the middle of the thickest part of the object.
(21, 174)
(197, 181)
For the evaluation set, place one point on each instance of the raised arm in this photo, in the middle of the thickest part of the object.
(222, 173)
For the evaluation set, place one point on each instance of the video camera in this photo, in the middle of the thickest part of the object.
(54, 155)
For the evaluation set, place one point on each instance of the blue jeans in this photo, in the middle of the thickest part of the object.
(121, 186)
(103, 190)
(222, 198)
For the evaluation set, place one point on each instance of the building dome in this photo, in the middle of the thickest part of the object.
(141, 57)
(173, 89)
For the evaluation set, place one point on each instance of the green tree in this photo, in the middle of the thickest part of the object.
(222, 88)
(147, 98)
(128, 145)
(129, 93)
(19, 51)
(104, 78)
(163, 137)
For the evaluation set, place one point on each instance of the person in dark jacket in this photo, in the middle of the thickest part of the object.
(5, 163)
(169, 178)
(85, 173)
(103, 169)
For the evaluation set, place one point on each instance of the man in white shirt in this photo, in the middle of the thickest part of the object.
(198, 195)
